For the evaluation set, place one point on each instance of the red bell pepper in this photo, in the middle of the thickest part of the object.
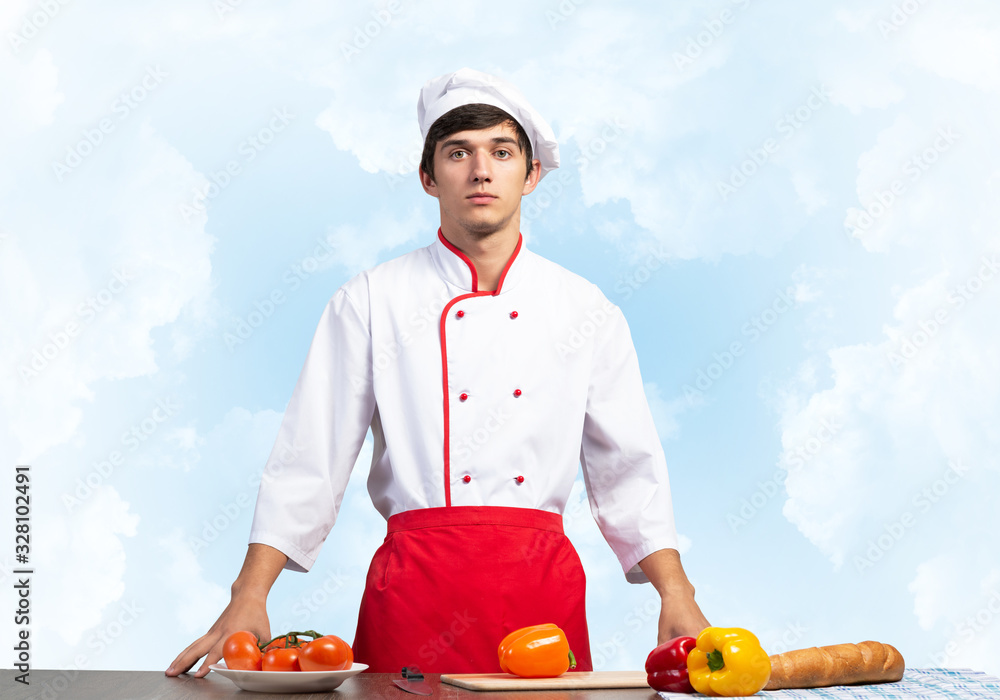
(666, 666)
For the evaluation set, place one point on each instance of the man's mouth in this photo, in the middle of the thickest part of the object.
(481, 198)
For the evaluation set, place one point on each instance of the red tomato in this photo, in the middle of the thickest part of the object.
(281, 660)
(329, 653)
(279, 643)
(241, 651)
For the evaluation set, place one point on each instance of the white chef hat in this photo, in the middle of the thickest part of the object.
(466, 86)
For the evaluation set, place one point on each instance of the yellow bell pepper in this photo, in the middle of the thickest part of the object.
(728, 661)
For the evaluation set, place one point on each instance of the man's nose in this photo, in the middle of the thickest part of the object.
(481, 171)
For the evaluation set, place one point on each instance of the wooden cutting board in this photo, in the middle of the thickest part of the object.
(587, 679)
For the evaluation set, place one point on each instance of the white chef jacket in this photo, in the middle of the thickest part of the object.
(473, 398)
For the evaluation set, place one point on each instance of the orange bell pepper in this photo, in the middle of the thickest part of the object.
(540, 651)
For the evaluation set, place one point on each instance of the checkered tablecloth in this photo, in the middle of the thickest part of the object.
(917, 684)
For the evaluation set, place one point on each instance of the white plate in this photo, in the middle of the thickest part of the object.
(287, 681)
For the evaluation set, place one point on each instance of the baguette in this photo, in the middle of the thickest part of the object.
(840, 664)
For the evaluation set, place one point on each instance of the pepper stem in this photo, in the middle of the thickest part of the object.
(572, 659)
(715, 661)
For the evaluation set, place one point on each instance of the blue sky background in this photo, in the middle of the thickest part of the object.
(835, 481)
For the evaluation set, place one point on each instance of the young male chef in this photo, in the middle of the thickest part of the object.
(480, 417)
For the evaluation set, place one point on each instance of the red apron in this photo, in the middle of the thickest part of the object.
(448, 584)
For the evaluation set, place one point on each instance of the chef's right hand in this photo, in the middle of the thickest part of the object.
(242, 613)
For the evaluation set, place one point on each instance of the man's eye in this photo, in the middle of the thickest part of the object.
(458, 154)
(503, 154)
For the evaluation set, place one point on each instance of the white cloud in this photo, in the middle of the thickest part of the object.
(901, 408)
(934, 578)
(970, 622)
(684, 544)
(652, 173)
(664, 412)
(909, 403)
(199, 601)
(956, 40)
(85, 314)
(374, 136)
(359, 248)
(86, 547)
(810, 195)
(629, 128)
(35, 82)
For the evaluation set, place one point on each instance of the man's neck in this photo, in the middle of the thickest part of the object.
(489, 254)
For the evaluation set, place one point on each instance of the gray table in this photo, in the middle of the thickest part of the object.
(147, 685)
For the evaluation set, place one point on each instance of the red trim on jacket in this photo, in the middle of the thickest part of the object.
(444, 346)
(463, 256)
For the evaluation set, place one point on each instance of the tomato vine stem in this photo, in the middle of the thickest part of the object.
(291, 639)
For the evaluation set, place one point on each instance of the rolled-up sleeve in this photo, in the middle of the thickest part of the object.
(624, 467)
(320, 437)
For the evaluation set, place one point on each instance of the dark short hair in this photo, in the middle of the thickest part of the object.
(472, 117)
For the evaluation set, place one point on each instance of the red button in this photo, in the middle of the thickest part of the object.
(517, 392)
(513, 314)
(460, 313)
(466, 478)
(463, 396)
(520, 479)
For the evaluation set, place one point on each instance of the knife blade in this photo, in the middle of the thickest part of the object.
(413, 681)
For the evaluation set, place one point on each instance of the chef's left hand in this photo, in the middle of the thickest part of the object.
(680, 616)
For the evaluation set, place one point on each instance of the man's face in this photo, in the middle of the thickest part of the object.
(479, 179)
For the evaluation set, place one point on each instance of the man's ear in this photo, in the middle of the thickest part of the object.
(531, 182)
(430, 187)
